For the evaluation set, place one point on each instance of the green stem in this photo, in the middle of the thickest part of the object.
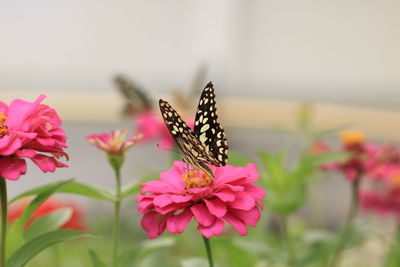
(286, 238)
(208, 249)
(347, 230)
(3, 198)
(117, 217)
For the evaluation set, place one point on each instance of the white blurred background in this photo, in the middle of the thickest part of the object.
(343, 51)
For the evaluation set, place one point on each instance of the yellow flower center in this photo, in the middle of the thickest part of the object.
(3, 126)
(352, 137)
(196, 179)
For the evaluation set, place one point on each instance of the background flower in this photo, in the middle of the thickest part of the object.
(152, 127)
(76, 222)
(113, 143)
(30, 130)
(171, 202)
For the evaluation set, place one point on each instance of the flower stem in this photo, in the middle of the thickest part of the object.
(208, 249)
(347, 230)
(117, 218)
(3, 198)
(286, 237)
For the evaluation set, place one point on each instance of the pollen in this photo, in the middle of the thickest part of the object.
(3, 126)
(352, 137)
(196, 179)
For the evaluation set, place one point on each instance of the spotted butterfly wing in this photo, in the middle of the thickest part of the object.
(207, 127)
(194, 152)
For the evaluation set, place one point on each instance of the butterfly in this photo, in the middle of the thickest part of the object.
(136, 99)
(207, 142)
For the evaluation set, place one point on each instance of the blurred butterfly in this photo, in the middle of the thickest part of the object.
(136, 99)
(207, 142)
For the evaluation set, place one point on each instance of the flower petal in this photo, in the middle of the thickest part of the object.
(238, 224)
(243, 201)
(217, 228)
(255, 191)
(216, 207)
(181, 199)
(162, 200)
(249, 217)
(225, 195)
(202, 215)
(12, 168)
(153, 223)
(177, 223)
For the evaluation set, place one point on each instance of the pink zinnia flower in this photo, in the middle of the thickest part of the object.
(152, 127)
(366, 158)
(113, 143)
(75, 222)
(170, 203)
(27, 128)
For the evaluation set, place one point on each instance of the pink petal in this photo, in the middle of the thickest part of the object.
(160, 187)
(26, 153)
(202, 215)
(177, 223)
(216, 207)
(181, 199)
(243, 201)
(8, 145)
(153, 223)
(12, 168)
(255, 191)
(249, 217)
(172, 207)
(173, 176)
(225, 195)
(217, 228)
(145, 205)
(235, 188)
(236, 223)
(231, 174)
(45, 141)
(45, 163)
(162, 200)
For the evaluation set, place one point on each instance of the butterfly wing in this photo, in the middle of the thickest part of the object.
(207, 127)
(193, 150)
(136, 98)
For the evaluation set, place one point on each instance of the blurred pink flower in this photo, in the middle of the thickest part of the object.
(383, 196)
(27, 128)
(153, 127)
(75, 222)
(181, 194)
(366, 160)
(113, 143)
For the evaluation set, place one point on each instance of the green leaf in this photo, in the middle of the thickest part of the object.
(133, 188)
(49, 222)
(39, 243)
(310, 163)
(92, 191)
(277, 178)
(130, 189)
(96, 261)
(145, 248)
(15, 233)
